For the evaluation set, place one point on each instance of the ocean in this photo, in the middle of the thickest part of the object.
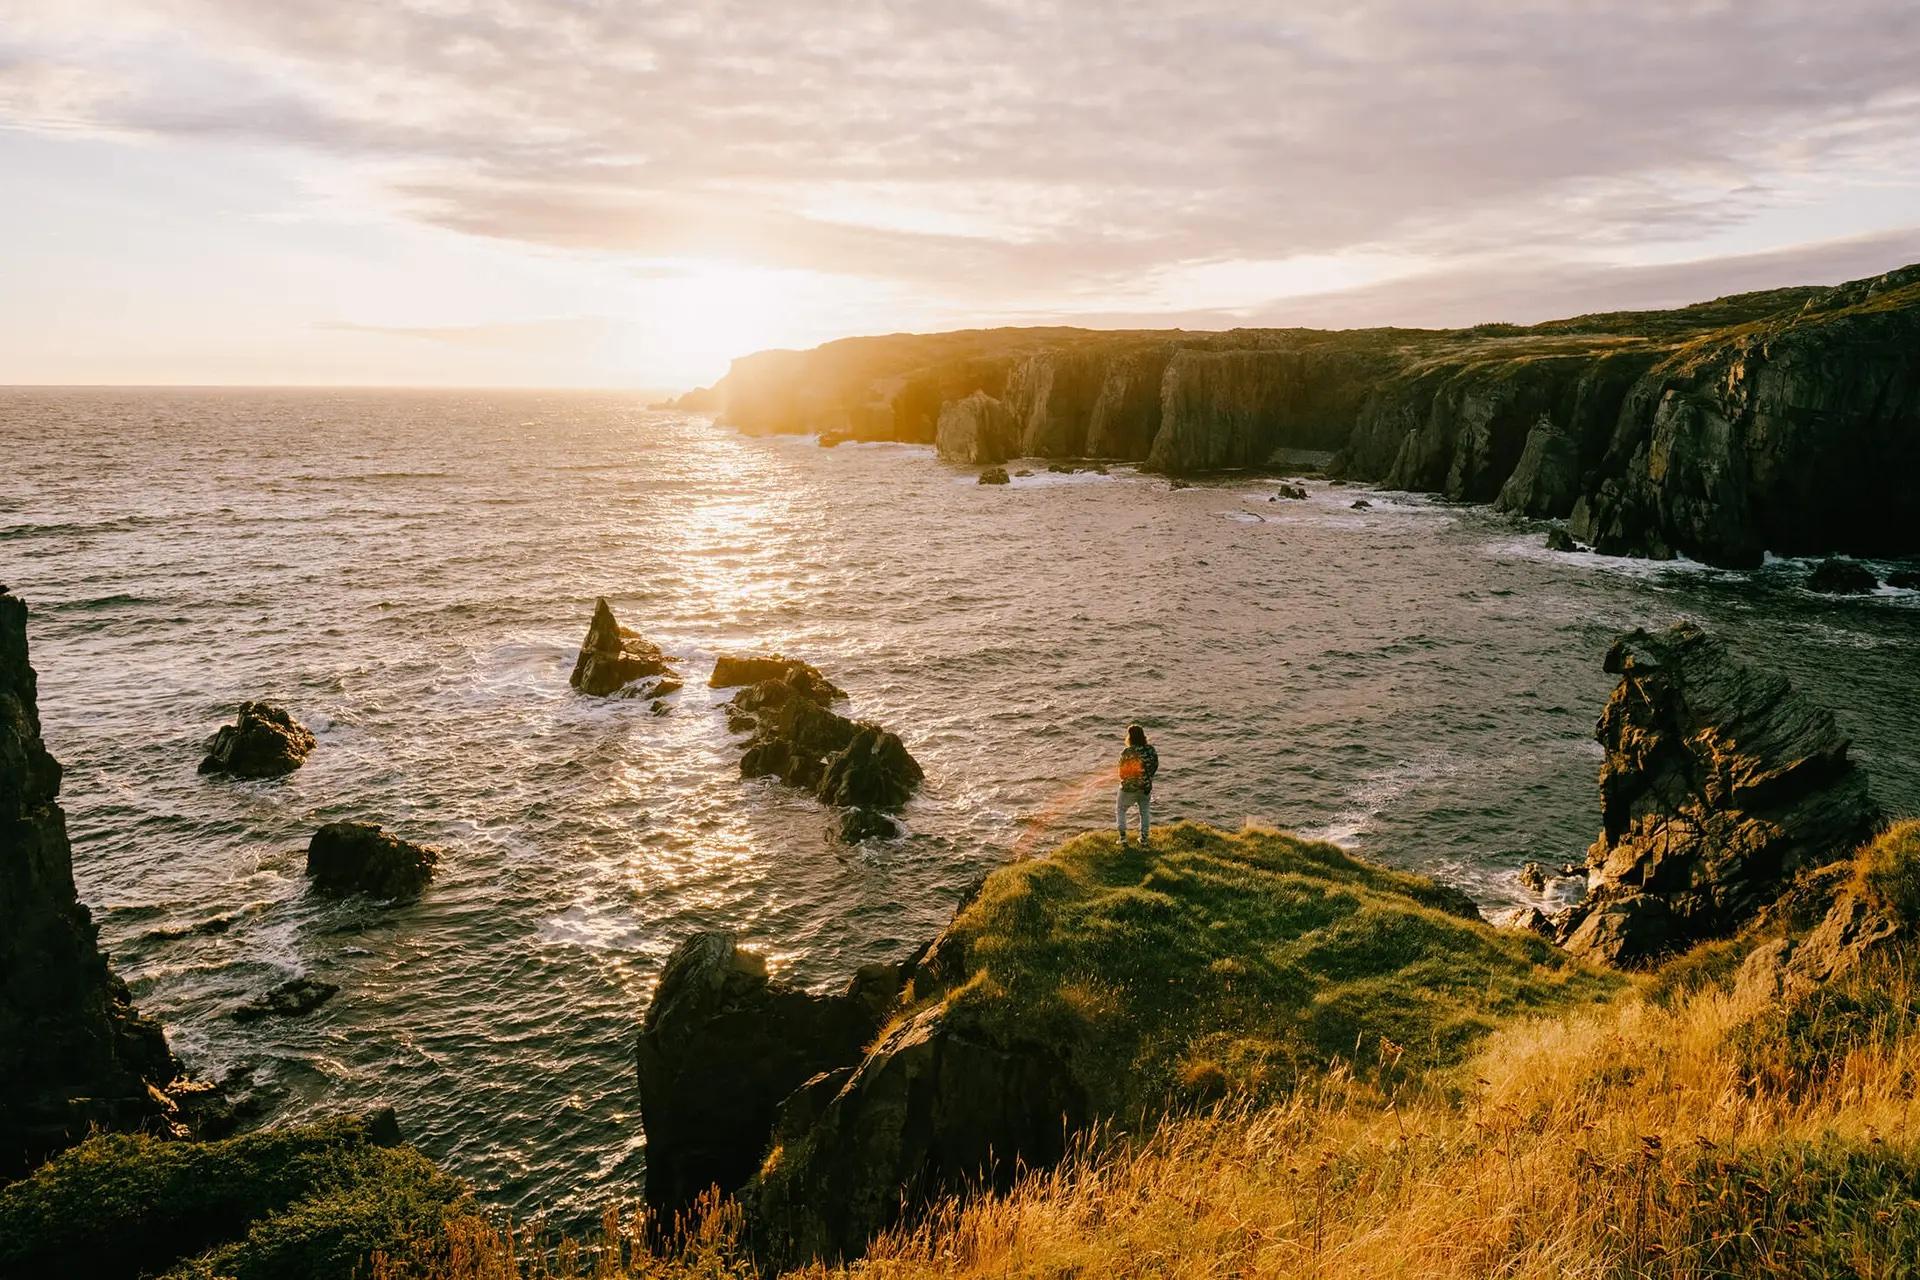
(411, 574)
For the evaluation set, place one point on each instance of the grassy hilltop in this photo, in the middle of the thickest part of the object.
(1316, 1067)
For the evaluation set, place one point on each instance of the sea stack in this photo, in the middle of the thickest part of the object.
(1720, 783)
(74, 1053)
(613, 657)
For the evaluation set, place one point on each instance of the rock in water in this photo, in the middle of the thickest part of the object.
(1720, 782)
(857, 825)
(1905, 579)
(1546, 479)
(358, 857)
(612, 657)
(1561, 540)
(1293, 491)
(263, 742)
(721, 1046)
(288, 1000)
(730, 672)
(74, 1053)
(994, 475)
(1836, 577)
(874, 771)
(1360, 504)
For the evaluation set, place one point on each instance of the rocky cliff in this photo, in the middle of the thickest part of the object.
(74, 1053)
(1784, 421)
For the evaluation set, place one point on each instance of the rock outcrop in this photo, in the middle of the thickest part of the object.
(263, 742)
(1546, 480)
(612, 658)
(796, 736)
(721, 1046)
(1720, 783)
(289, 999)
(977, 429)
(359, 857)
(74, 1053)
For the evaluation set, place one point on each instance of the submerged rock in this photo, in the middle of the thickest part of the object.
(721, 1045)
(612, 657)
(1836, 577)
(1360, 504)
(1905, 579)
(263, 742)
(359, 857)
(994, 475)
(857, 825)
(1293, 491)
(75, 1055)
(1561, 540)
(288, 1000)
(1720, 783)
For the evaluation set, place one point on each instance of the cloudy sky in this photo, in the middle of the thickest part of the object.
(564, 192)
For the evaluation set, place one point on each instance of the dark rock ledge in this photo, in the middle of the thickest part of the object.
(796, 736)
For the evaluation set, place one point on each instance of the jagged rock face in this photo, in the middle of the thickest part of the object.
(1051, 396)
(1234, 408)
(359, 857)
(1797, 437)
(721, 1046)
(263, 742)
(1546, 479)
(612, 657)
(939, 1104)
(1720, 783)
(977, 429)
(74, 1053)
(1126, 414)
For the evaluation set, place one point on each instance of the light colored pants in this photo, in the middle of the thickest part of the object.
(1139, 800)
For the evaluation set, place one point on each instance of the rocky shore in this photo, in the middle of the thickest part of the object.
(1786, 421)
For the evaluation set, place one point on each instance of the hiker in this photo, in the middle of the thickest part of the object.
(1138, 763)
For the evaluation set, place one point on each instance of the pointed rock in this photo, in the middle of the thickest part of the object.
(612, 657)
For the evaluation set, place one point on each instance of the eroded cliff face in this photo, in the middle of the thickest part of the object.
(74, 1053)
(1786, 421)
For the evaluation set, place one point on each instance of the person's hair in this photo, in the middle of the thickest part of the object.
(1136, 736)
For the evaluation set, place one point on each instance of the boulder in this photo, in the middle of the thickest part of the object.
(1561, 540)
(612, 657)
(75, 1055)
(1177, 483)
(1905, 579)
(874, 771)
(994, 475)
(721, 1045)
(834, 439)
(288, 1000)
(262, 742)
(976, 429)
(359, 857)
(1360, 504)
(731, 672)
(1720, 783)
(1836, 577)
(1293, 491)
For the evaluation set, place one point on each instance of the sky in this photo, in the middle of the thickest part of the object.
(604, 193)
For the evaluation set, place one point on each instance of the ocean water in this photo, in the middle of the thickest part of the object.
(411, 574)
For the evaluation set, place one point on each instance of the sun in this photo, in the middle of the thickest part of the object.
(698, 314)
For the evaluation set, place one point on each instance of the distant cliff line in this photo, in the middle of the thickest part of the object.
(1786, 421)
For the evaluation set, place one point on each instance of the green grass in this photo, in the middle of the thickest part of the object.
(1237, 963)
(316, 1201)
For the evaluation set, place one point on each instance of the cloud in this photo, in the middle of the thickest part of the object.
(1005, 150)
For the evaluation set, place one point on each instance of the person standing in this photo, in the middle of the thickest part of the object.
(1138, 763)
